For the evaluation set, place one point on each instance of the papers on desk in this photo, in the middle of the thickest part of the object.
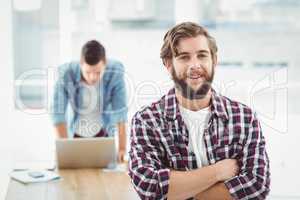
(34, 165)
(34, 176)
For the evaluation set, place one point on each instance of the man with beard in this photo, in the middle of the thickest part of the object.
(194, 142)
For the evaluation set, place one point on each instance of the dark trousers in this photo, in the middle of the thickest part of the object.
(101, 133)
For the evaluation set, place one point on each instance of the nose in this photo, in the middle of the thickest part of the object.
(94, 77)
(194, 62)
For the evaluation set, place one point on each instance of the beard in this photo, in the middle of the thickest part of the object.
(187, 91)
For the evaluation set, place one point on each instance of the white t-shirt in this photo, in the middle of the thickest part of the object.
(196, 122)
(88, 123)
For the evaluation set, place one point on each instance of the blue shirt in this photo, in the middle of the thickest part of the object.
(67, 96)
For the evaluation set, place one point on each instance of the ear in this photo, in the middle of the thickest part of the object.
(215, 61)
(168, 64)
(105, 61)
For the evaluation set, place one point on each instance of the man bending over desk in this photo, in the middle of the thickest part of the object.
(90, 97)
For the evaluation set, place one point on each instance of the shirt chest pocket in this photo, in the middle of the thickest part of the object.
(226, 151)
(174, 157)
(176, 162)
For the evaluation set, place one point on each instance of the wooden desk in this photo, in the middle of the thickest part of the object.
(80, 184)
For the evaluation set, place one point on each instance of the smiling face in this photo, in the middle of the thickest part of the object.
(192, 68)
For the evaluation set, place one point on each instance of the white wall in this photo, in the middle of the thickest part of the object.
(6, 94)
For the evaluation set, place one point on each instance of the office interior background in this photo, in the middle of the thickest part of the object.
(258, 65)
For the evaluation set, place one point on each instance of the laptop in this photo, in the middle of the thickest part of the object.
(85, 152)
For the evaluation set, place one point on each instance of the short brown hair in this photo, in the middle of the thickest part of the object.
(93, 52)
(184, 30)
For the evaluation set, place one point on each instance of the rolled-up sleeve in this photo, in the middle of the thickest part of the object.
(119, 96)
(253, 182)
(148, 175)
(59, 102)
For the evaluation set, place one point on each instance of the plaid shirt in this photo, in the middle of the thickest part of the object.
(159, 142)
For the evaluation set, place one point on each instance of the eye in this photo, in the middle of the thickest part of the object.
(185, 57)
(202, 55)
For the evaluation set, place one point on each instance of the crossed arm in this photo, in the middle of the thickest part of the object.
(153, 181)
(204, 183)
(217, 192)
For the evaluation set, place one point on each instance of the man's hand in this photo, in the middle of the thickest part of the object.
(61, 130)
(121, 155)
(122, 141)
(226, 169)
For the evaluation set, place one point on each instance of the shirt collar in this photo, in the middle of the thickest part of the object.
(170, 104)
(172, 112)
(78, 73)
(218, 106)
